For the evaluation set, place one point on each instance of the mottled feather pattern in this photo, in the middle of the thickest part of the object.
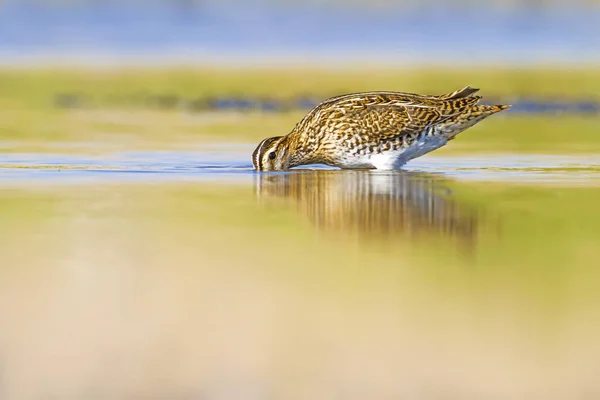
(359, 125)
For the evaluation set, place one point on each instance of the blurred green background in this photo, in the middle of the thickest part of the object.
(67, 104)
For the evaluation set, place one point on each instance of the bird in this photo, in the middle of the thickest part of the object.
(380, 130)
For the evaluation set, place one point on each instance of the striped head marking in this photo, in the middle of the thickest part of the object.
(270, 155)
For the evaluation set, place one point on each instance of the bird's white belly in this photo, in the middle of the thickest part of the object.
(394, 159)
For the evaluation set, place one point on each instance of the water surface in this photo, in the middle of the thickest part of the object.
(188, 275)
(225, 162)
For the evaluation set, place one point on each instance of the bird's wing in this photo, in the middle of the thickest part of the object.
(384, 117)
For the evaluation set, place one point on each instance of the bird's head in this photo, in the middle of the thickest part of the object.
(272, 154)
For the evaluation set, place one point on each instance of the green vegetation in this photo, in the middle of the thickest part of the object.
(35, 88)
(31, 119)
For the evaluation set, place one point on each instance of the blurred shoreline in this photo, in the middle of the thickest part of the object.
(233, 61)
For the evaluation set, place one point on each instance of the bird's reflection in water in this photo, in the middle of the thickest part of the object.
(374, 204)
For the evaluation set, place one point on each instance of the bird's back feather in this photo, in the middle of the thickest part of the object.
(375, 122)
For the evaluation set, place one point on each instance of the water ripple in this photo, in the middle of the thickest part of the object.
(232, 165)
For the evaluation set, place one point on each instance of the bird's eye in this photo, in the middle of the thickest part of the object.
(272, 155)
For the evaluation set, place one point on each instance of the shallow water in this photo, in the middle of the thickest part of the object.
(225, 162)
(188, 275)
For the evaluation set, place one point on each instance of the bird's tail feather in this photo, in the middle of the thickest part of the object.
(467, 119)
(460, 93)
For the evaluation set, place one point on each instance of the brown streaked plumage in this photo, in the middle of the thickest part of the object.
(381, 130)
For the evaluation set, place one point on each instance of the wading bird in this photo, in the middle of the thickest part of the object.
(373, 130)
